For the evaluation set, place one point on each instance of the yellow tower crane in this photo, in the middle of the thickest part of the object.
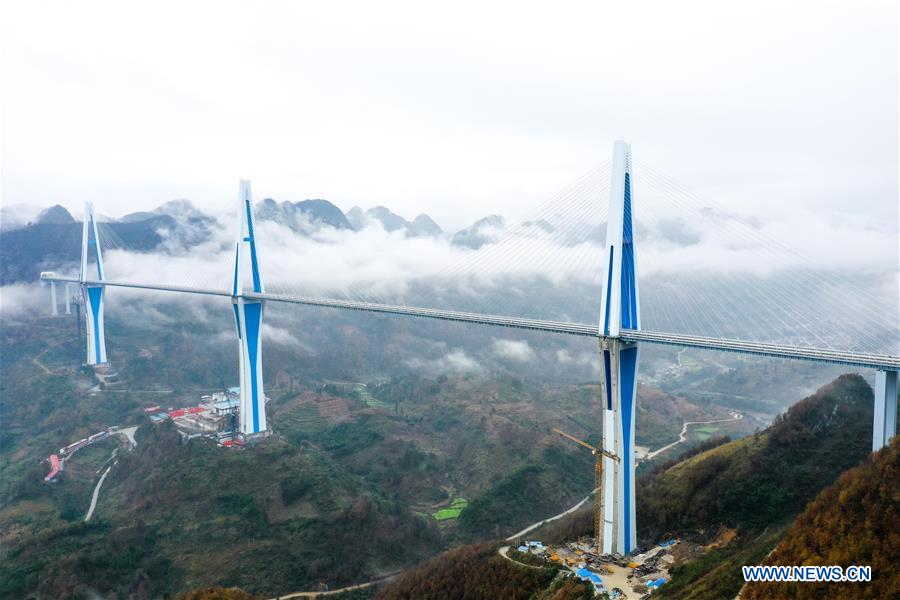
(600, 453)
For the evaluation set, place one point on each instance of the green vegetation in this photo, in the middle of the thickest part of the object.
(527, 558)
(717, 574)
(217, 594)
(289, 513)
(453, 511)
(152, 518)
(475, 571)
(363, 393)
(852, 522)
(756, 485)
(511, 503)
(704, 433)
(760, 480)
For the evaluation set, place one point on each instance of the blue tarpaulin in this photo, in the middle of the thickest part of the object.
(657, 583)
(666, 543)
(589, 575)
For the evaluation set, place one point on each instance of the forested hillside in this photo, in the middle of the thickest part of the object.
(752, 488)
(379, 458)
(740, 497)
(762, 479)
(855, 521)
(478, 571)
(177, 516)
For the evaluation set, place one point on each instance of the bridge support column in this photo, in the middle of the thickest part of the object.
(884, 426)
(92, 295)
(248, 315)
(68, 298)
(53, 309)
(619, 389)
(620, 309)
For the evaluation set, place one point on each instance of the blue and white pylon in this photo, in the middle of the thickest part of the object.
(248, 315)
(92, 294)
(619, 309)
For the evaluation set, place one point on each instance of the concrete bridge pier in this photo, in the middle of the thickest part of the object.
(54, 310)
(68, 298)
(884, 426)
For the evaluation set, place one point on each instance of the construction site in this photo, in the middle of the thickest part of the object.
(57, 462)
(214, 417)
(635, 575)
(618, 577)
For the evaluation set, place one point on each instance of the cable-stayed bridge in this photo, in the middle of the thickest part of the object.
(620, 330)
(823, 355)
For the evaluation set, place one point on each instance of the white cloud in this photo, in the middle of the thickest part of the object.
(460, 113)
(564, 357)
(282, 337)
(457, 112)
(514, 350)
(26, 299)
(455, 361)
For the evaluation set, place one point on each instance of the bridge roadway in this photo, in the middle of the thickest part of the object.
(855, 359)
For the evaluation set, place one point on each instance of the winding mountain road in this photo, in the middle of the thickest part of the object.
(349, 588)
(534, 526)
(128, 434)
(504, 552)
(736, 416)
(90, 512)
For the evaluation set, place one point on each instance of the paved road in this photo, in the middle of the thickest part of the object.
(503, 550)
(128, 432)
(38, 363)
(683, 436)
(681, 439)
(559, 516)
(90, 512)
(358, 586)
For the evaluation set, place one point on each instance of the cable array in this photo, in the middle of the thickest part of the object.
(781, 296)
(515, 270)
(549, 264)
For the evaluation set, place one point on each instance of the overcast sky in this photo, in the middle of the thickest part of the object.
(457, 110)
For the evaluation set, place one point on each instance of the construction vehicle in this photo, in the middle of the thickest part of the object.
(600, 453)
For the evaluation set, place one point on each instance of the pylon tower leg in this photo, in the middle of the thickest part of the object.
(620, 309)
(252, 400)
(619, 389)
(248, 313)
(93, 318)
(92, 294)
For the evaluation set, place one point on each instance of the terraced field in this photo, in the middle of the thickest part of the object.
(363, 393)
(452, 512)
(704, 433)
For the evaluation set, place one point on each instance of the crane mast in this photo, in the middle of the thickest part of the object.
(600, 454)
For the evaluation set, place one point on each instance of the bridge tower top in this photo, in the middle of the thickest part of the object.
(620, 308)
(90, 244)
(246, 240)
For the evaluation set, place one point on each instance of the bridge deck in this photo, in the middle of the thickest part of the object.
(857, 359)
